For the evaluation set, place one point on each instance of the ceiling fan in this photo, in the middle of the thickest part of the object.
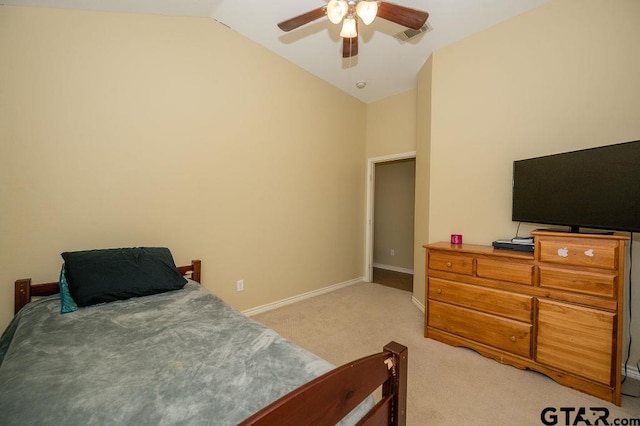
(348, 12)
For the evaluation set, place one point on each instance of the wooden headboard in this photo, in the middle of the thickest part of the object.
(24, 290)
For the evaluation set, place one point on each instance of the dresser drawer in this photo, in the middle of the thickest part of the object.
(511, 336)
(460, 264)
(576, 339)
(591, 253)
(521, 273)
(515, 306)
(593, 283)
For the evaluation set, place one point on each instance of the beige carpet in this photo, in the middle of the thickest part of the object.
(447, 385)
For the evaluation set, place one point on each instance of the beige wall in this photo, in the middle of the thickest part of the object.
(391, 125)
(393, 214)
(423, 171)
(561, 77)
(121, 130)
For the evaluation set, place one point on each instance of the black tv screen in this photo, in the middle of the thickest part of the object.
(592, 188)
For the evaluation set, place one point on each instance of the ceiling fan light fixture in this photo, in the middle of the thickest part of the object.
(336, 10)
(349, 27)
(367, 11)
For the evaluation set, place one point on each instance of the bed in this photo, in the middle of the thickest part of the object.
(178, 356)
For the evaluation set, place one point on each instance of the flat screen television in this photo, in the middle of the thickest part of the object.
(595, 188)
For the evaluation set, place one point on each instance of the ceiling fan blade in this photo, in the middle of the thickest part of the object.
(349, 47)
(305, 18)
(410, 18)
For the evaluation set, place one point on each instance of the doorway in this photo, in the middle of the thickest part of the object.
(390, 220)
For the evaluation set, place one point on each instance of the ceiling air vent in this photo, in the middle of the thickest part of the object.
(408, 34)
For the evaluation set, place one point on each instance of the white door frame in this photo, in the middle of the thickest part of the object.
(371, 183)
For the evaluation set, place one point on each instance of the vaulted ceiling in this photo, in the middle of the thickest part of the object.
(386, 65)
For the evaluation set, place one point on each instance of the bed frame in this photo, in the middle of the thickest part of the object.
(322, 401)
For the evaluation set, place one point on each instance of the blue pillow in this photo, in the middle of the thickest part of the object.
(67, 304)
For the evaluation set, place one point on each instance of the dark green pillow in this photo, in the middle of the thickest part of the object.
(99, 276)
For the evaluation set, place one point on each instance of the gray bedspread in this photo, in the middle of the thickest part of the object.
(182, 357)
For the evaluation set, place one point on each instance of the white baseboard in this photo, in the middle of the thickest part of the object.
(393, 268)
(417, 303)
(303, 296)
(632, 371)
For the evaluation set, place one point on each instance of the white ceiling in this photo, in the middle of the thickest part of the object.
(387, 66)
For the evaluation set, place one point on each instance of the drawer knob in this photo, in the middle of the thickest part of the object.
(439, 291)
(513, 338)
(448, 264)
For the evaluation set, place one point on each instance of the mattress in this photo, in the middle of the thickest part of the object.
(180, 357)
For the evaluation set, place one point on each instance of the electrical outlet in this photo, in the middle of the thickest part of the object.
(239, 285)
(393, 252)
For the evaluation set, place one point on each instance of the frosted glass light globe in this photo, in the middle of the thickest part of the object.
(336, 9)
(367, 11)
(349, 28)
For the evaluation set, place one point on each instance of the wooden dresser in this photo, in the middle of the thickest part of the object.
(557, 311)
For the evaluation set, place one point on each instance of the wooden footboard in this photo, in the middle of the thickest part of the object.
(330, 397)
(24, 290)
